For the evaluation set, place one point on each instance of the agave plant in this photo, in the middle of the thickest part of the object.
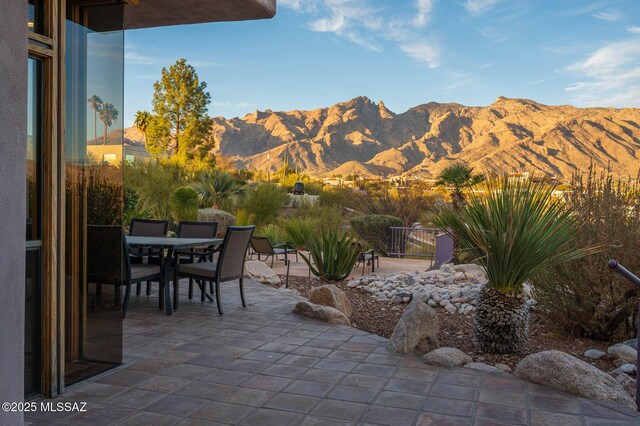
(513, 229)
(332, 254)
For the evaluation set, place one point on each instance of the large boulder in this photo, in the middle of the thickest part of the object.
(330, 295)
(324, 313)
(417, 329)
(224, 219)
(564, 372)
(623, 352)
(446, 357)
(259, 271)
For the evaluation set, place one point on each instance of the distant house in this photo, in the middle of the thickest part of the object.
(114, 155)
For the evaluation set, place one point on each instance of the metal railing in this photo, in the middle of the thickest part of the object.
(413, 242)
(635, 280)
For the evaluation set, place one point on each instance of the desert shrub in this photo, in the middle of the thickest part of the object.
(583, 297)
(299, 230)
(409, 206)
(337, 197)
(104, 199)
(327, 217)
(374, 229)
(264, 202)
(332, 254)
(223, 218)
(135, 207)
(274, 233)
(155, 182)
(220, 189)
(244, 218)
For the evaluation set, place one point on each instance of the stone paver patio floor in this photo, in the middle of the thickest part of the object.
(267, 366)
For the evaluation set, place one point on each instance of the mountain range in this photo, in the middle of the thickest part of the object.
(361, 136)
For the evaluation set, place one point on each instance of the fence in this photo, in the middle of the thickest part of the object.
(420, 243)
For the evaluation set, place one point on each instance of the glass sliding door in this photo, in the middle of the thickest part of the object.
(33, 282)
(93, 226)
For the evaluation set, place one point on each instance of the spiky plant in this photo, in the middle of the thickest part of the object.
(332, 254)
(244, 217)
(458, 177)
(512, 229)
(220, 189)
(184, 204)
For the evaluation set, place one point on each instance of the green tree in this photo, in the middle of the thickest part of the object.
(180, 121)
(108, 114)
(458, 177)
(142, 122)
(513, 230)
(95, 102)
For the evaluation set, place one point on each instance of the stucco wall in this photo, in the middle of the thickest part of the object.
(13, 130)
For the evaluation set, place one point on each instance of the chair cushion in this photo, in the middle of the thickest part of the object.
(204, 269)
(142, 270)
(279, 251)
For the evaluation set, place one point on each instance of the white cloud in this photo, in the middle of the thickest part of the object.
(608, 76)
(609, 15)
(133, 57)
(478, 7)
(369, 27)
(424, 13)
(424, 52)
(633, 29)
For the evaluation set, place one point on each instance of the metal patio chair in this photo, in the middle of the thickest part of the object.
(188, 229)
(228, 267)
(146, 228)
(262, 247)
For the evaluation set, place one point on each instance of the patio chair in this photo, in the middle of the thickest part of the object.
(104, 261)
(368, 257)
(262, 247)
(147, 228)
(137, 273)
(229, 266)
(195, 230)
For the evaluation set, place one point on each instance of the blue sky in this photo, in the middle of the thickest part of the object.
(315, 53)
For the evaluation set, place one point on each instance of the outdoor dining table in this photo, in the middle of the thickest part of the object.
(170, 245)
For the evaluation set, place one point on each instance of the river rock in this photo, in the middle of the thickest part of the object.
(446, 357)
(483, 367)
(321, 312)
(594, 353)
(624, 352)
(417, 329)
(564, 372)
(628, 368)
(260, 272)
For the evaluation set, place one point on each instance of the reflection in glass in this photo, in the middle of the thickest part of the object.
(34, 149)
(33, 282)
(34, 14)
(94, 99)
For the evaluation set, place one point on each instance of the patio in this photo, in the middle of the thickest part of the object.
(265, 365)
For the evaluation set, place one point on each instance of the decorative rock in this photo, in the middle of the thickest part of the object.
(624, 352)
(628, 368)
(324, 313)
(332, 296)
(564, 372)
(432, 303)
(594, 353)
(417, 329)
(260, 272)
(632, 342)
(483, 367)
(628, 384)
(446, 357)
(450, 308)
(503, 367)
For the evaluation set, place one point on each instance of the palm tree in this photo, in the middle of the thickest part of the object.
(108, 114)
(220, 189)
(513, 229)
(95, 102)
(459, 177)
(142, 121)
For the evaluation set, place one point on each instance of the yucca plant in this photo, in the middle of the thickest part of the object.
(513, 229)
(332, 254)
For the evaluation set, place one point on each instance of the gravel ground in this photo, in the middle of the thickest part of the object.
(456, 330)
